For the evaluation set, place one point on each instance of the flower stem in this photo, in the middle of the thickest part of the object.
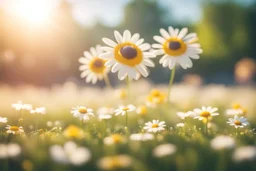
(236, 131)
(107, 82)
(206, 127)
(170, 83)
(126, 120)
(128, 86)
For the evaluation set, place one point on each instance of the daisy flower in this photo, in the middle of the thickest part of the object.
(164, 150)
(180, 125)
(9, 150)
(184, 115)
(142, 137)
(237, 109)
(128, 55)
(177, 47)
(238, 122)
(105, 113)
(92, 67)
(39, 110)
(20, 106)
(73, 131)
(155, 98)
(124, 109)
(70, 153)
(114, 139)
(222, 142)
(3, 120)
(142, 110)
(14, 129)
(82, 112)
(205, 112)
(116, 162)
(155, 126)
(245, 153)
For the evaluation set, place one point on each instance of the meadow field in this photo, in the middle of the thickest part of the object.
(104, 143)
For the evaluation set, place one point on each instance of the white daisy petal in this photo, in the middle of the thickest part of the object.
(118, 37)
(182, 33)
(107, 49)
(139, 42)
(109, 42)
(126, 36)
(144, 46)
(159, 39)
(164, 33)
(115, 68)
(107, 55)
(135, 38)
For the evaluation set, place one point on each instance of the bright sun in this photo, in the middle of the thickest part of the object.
(33, 12)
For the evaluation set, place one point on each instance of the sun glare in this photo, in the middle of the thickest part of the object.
(32, 12)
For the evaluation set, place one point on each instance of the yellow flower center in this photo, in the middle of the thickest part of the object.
(14, 128)
(237, 122)
(174, 47)
(72, 131)
(97, 65)
(142, 110)
(205, 114)
(82, 110)
(154, 125)
(128, 54)
(126, 108)
(117, 138)
(115, 163)
(237, 106)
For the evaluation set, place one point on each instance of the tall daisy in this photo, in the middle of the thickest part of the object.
(176, 46)
(238, 122)
(205, 113)
(93, 68)
(128, 55)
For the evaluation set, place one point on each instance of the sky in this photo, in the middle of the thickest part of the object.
(110, 12)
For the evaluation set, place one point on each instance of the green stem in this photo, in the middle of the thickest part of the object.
(206, 127)
(126, 120)
(107, 82)
(170, 83)
(36, 121)
(128, 86)
(236, 131)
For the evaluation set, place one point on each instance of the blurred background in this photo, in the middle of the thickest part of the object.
(41, 40)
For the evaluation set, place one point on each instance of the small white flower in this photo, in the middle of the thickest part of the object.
(222, 142)
(93, 67)
(39, 110)
(142, 137)
(3, 120)
(154, 126)
(20, 106)
(164, 150)
(125, 109)
(70, 153)
(180, 125)
(82, 112)
(234, 112)
(14, 129)
(105, 113)
(238, 122)
(128, 56)
(9, 150)
(183, 115)
(245, 153)
(177, 47)
(205, 112)
(114, 139)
